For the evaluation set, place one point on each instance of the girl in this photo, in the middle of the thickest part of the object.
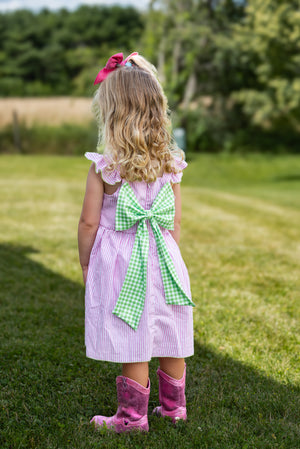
(138, 300)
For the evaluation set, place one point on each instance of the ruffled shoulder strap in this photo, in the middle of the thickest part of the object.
(175, 178)
(101, 165)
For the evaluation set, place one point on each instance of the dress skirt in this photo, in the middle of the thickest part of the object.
(164, 330)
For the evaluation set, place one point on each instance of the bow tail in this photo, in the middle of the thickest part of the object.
(130, 304)
(174, 292)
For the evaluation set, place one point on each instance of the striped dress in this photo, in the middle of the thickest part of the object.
(164, 330)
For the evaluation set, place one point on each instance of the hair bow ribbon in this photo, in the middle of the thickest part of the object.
(111, 65)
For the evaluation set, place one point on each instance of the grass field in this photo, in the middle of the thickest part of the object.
(241, 243)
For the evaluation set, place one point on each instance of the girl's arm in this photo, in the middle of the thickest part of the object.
(90, 218)
(177, 218)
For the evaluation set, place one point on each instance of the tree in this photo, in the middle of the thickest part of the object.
(268, 41)
(187, 35)
(59, 52)
(230, 68)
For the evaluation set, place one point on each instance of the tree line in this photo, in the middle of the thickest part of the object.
(57, 53)
(231, 68)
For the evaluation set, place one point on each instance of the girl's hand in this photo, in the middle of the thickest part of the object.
(84, 274)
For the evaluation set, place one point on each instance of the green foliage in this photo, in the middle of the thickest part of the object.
(65, 139)
(269, 39)
(193, 71)
(231, 70)
(50, 53)
(187, 38)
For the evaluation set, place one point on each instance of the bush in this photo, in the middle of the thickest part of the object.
(65, 139)
(217, 129)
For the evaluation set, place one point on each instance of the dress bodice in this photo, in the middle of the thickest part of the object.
(144, 192)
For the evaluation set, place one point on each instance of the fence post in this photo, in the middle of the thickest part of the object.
(16, 132)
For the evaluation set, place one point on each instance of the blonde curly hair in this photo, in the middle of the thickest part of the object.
(132, 114)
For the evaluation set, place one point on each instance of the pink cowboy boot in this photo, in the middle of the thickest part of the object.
(133, 401)
(171, 396)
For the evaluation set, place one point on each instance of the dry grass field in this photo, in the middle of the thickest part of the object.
(46, 111)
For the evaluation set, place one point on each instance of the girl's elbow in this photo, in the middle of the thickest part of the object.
(88, 225)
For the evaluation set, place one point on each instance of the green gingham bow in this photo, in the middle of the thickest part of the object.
(131, 300)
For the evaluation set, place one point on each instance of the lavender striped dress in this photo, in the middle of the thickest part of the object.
(164, 330)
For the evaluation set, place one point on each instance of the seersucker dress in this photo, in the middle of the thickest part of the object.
(164, 330)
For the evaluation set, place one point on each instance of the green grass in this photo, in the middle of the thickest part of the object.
(241, 242)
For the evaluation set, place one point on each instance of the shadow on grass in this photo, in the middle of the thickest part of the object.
(49, 389)
(285, 178)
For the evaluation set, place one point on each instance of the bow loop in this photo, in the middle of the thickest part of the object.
(163, 208)
(135, 53)
(129, 211)
(113, 62)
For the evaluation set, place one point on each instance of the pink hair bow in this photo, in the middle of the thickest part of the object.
(111, 65)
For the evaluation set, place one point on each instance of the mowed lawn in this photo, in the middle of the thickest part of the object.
(241, 243)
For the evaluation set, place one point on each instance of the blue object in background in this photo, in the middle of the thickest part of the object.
(180, 138)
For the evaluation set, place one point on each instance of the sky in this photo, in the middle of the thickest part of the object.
(35, 5)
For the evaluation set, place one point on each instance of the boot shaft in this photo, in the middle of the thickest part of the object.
(171, 391)
(133, 398)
